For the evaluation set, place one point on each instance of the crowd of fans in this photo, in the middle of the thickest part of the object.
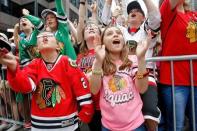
(57, 74)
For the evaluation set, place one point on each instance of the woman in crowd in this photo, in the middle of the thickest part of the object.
(86, 35)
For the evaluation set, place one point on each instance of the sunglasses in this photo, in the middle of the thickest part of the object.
(90, 26)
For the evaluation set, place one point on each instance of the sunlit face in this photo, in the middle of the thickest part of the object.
(113, 40)
(90, 31)
(46, 41)
(51, 21)
(25, 24)
(135, 17)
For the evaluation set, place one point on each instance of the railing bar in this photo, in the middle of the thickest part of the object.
(173, 94)
(4, 92)
(11, 121)
(192, 95)
(10, 102)
(174, 58)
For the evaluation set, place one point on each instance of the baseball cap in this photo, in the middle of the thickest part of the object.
(4, 43)
(46, 11)
(134, 5)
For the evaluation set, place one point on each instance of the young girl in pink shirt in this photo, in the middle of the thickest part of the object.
(119, 81)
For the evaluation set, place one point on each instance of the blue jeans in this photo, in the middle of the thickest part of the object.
(141, 128)
(183, 105)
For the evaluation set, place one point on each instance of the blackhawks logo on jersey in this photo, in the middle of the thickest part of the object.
(72, 63)
(48, 93)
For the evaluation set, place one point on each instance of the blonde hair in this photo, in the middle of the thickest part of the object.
(109, 67)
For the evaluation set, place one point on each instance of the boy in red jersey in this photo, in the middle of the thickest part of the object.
(56, 85)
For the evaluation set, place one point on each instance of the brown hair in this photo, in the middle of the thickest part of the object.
(108, 65)
(83, 47)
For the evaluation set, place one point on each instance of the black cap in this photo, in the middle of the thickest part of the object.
(5, 44)
(134, 5)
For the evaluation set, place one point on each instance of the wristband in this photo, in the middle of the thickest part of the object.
(97, 72)
(141, 75)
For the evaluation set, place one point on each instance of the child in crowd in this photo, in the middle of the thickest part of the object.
(56, 22)
(56, 85)
(138, 25)
(30, 26)
(119, 81)
(87, 33)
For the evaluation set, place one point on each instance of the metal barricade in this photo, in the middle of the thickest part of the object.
(9, 107)
(172, 59)
(9, 117)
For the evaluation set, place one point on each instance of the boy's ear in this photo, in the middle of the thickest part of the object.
(60, 45)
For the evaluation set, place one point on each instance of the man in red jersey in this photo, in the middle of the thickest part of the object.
(178, 33)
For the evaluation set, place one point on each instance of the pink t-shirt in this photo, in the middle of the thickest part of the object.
(120, 101)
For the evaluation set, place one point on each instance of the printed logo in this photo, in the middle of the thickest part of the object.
(83, 83)
(118, 92)
(117, 83)
(48, 93)
(86, 63)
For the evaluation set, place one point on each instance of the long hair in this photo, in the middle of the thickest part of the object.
(109, 66)
(83, 47)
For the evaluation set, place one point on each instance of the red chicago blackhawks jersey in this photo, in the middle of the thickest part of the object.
(56, 90)
(85, 63)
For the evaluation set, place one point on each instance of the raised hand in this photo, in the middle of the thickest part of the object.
(25, 12)
(99, 49)
(8, 59)
(143, 46)
(3, 51)
(117, 11)
(47, 28)
(16, 26)
(94, 6)
(109, 2)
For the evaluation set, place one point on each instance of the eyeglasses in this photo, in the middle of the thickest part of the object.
(45, 35)
(91, 26)
(131, 44)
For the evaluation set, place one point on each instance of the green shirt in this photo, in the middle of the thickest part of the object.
(25, 45)
(62, 33)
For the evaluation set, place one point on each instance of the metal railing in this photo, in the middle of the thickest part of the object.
(171, 59)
